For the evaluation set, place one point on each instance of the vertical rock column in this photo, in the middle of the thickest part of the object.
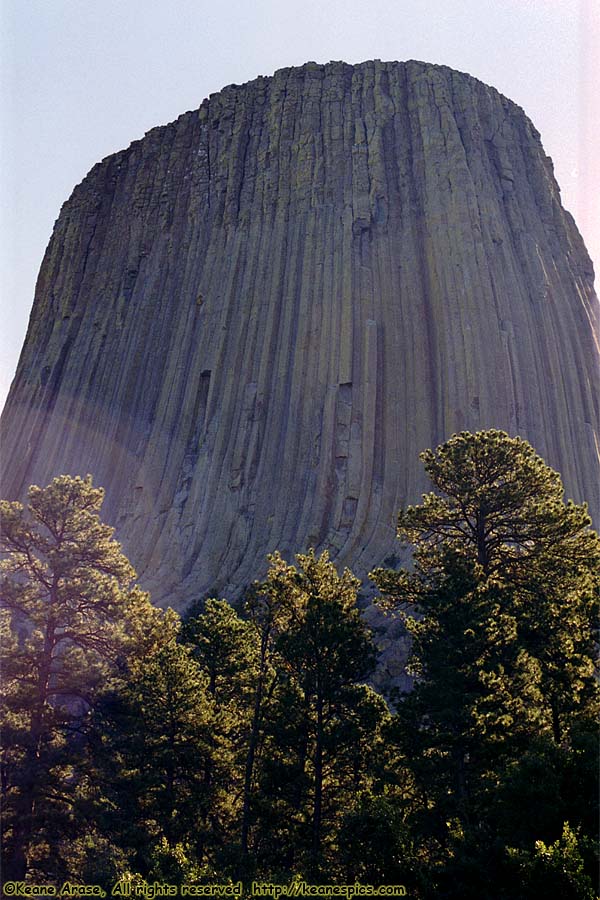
(248, 324)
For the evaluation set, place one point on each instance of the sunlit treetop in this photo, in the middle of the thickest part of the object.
(498, 504)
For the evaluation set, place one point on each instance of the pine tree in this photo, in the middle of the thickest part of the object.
(270, 607)
(500, 506)
(227, 650)
(500, 517)
(151, 748)
(326, 722)
(504, 591)
(75, 616)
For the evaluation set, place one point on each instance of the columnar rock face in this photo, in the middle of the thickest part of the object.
(249, 323)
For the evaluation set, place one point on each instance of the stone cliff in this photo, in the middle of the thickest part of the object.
(249, 323)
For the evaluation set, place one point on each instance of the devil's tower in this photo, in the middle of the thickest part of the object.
(248, 324)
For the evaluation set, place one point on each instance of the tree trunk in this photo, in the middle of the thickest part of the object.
(16, 869)
(318, 799)
(556, 727)
(253, 743)
(482, 549)
(249, 770)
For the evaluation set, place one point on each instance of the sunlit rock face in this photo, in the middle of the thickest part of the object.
(249, 323)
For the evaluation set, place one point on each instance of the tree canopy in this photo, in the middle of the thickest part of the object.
(499, 505)
(501, 600)
(68, 598)
(246, 743)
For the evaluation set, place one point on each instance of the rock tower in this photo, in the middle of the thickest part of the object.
(249, 323)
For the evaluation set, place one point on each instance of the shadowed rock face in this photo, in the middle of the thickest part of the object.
(248, 324)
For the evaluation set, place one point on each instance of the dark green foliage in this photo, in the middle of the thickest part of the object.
(377, 846)
(228, 652)
(224, 646)
(555, 870)
(323, 724)
(500, 506)
(71, 619)
(248, 744)
(153, 750)
(503, 590)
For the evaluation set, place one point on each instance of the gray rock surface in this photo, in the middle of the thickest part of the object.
(249, 323)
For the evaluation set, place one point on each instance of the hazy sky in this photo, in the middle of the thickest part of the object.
(83, 78)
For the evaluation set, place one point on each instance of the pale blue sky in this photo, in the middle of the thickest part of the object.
(83, 78)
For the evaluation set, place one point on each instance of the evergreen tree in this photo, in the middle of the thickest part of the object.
(500, 506)
(67, 595)
(151, 748)
(226, 649)
(326, 722)
(270, 606)
(503, 590)
(224, 646)
(557, 870)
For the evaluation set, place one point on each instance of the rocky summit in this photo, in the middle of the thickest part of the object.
(249, 323)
